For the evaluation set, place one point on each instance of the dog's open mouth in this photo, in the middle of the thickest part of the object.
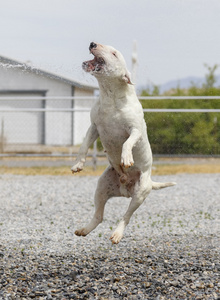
(94, 65)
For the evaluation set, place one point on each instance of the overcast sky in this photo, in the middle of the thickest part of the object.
(174, 37)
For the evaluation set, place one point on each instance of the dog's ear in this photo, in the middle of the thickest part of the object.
(127, 78)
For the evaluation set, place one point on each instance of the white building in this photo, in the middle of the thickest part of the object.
(47, 128)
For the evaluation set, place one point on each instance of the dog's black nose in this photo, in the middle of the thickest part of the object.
(92, 45)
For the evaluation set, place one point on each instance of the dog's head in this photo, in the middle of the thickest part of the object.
(108, 62)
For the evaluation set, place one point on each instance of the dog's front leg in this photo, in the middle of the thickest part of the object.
(126, 155)
(91, 136)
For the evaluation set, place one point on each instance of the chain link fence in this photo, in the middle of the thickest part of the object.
(43, 125)
(56, 126)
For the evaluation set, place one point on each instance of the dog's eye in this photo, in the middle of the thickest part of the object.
(114, 54)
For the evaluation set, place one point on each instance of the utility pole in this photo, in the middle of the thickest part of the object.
(134, 63)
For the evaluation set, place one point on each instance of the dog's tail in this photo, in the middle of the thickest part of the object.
(161, 185)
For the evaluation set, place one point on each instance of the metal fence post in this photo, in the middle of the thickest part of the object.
(2, 136)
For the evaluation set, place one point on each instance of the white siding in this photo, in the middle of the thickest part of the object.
(58, 124)
(82, 119)
(21, 127)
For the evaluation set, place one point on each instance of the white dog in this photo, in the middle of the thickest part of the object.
(117, 118)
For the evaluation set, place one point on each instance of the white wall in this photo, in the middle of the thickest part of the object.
(21, 127)
(58, 125)
(81, 119)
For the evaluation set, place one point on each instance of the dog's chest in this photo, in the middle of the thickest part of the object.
(112, 126)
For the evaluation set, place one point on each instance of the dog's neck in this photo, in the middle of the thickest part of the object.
(113, 89)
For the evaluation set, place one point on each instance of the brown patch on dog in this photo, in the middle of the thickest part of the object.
(123, 178)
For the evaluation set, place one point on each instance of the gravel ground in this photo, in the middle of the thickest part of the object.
(170, 249)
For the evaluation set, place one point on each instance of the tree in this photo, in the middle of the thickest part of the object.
(210, 77)
(156, 90)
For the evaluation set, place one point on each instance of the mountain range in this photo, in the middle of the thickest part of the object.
(183, 83)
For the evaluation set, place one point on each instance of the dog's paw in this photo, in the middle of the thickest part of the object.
(127, 159)
(81, 232)
(77, 167)
(115, 238)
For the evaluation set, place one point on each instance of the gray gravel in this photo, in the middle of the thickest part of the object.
(170, 249)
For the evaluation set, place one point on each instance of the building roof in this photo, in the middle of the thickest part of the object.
(10, 63)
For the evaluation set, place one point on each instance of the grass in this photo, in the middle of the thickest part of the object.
(186, 169)
(63, 170)
(163, 169)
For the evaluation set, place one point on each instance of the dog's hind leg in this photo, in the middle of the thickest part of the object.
(140, 194)
(108, 186)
